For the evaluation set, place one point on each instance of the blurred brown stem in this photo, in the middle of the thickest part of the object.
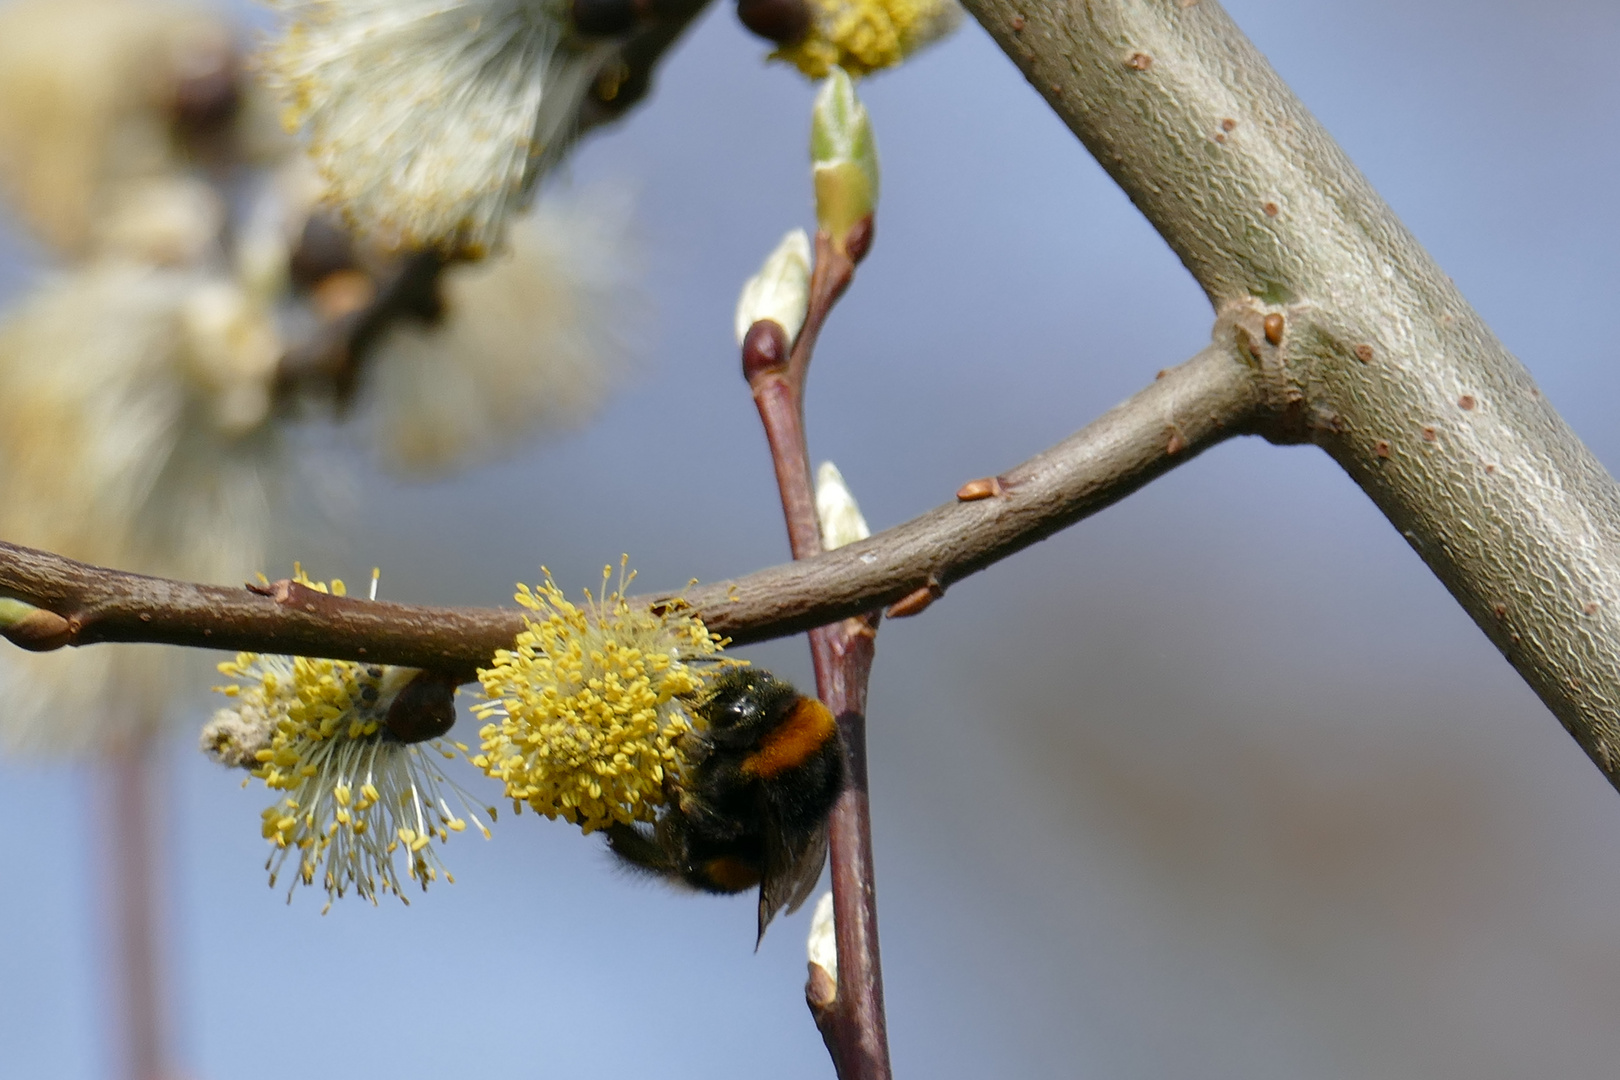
(852, 1023)
(331, 358)
(133, 911)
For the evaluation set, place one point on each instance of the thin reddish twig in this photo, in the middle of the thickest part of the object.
(852, 1022)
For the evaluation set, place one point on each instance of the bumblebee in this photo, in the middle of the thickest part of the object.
(750, 808)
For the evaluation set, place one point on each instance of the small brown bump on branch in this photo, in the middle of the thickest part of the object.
(1017, 24)
(1381, 448)
(1591, 607)
(1176, 444)
(1138, 61)
(1229, 124)
(1271, 209)
(858, 241)
(916, 601)
(1364, 353)
(1499, 610)
(294, 594)
(1274, 328)
(1429, 434)
(764, 349)
(983, 488)
(1467, 402)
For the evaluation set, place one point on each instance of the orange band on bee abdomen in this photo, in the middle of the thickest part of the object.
(729, 873)
(808, 727)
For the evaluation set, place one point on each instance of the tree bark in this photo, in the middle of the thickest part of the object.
(1388, 368)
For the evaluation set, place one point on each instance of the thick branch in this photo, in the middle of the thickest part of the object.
(1192, 407)
(1396, 376)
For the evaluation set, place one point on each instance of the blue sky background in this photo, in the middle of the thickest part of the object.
(1218, 784)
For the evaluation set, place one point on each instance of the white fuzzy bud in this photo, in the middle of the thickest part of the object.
(836, 510)
(781, 290)
(822, 946)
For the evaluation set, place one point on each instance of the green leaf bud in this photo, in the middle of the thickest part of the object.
(843, 157)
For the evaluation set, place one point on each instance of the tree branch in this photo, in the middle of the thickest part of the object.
(1395, 375)
(407, 287)
(852, 1021)
(1190, 408)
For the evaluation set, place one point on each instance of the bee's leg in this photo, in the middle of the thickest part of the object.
(640, 850)
(709, 817)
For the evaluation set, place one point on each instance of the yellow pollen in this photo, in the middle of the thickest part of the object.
(863, 36)
(585, 710)
(347, 786)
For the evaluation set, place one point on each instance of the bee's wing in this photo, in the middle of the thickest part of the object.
(792, 867)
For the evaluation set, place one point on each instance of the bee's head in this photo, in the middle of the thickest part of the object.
(744, 704)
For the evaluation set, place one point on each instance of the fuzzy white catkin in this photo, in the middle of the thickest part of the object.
(432, 120)
(115, 449)
(531, 340)
(780, 291)
(822, 944)
(836, 510)
(85, 103)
